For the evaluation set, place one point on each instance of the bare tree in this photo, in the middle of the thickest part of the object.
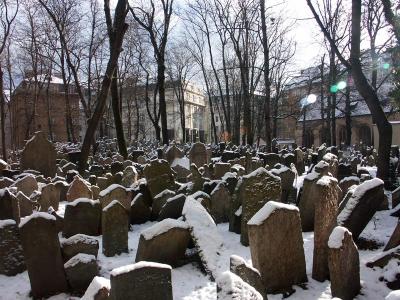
(158, 31)
(118, 30)
(362, 85)
(8, 13)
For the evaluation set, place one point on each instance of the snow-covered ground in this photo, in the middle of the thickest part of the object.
(190, 283)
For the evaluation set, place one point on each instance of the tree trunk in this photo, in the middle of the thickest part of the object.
(117, 116)
(348, 116)
(370, 96)
(3, 116)
(119, 28)
(161, 98)
(266, 78)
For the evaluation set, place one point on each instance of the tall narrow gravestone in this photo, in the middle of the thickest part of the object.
(276, 246)
(43, 255)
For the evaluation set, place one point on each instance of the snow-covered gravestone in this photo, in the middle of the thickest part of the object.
(164, 242)
(276, 246)
(232, 287)
(115, 225)
(11, 255)
(172, 208)
(344, 264)
(79, 188)
(115, 192)
(248, 274)
(99, 289)
(82, 216)
(256, 189)
(205, 235)
(79, 243)
(39, 154)
(80, 271)
(159, 200)
(141, 281)
(326, 207)
(287, 178)
(43, 255)
(361, 207)
(140, 212)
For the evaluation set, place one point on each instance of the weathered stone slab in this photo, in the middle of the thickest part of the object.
(9, 206)
(281, 261)
(344, 264)
(80, 271)
(115, 192)
(79, 243)
(220, 200)
(164, 242)
(43, 255)
(140, 212)
(79, 188)
(141, 281)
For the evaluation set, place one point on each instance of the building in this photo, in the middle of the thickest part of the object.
(138, 125)
(315, 114)
(40, 105)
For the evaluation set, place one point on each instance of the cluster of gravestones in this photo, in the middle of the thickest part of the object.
(187, 189)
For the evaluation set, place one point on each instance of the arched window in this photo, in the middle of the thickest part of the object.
(364, 135)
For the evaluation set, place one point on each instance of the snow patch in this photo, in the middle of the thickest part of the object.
(162, 227)
(36, 215)
(336, 238)
(8, 222)
(138, 265)
(83, 200)
(79, 258)
(110, 189)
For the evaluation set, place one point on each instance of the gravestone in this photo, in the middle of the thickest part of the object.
(39, 154)
(232, 287)
(43, 255)
(326, 208)
(159, 176)
(140, 212)
(281, 261)
(220, 200)
(141, 281)
(115, 192)
(79, 188)
(159, 201)
(256, 189)
(79, 243)
(115, 225)
(26, 184)
(361, 207)
(172, 207)
(344, 264)
(25, 205)
(80, 271)
(82, 216)
(50, 197)
(164, 242)
(9, 206)
(12, 259)
(198, 154)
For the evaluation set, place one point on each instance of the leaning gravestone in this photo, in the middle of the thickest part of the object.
(326, 207)
(256, 189)
(115, 222)
(39, 154)
(361, 207)
(11, 256)
(281, 261)
(82, 216)
(165, 242)
(43, 255)
(141, 281)
(344, 264)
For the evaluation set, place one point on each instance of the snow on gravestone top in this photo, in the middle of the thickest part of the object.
(110, 188)
(236, 260)
(336, 238)
(326, 180)
(97, 284)
(138, 265)
(358, 192)
(111, 204)
(82, 200)
(393, 295)
(80, 237)
(183, 162)
(269, 208)
(350, 178)
(329, 156)
(8, 222)
(260, 171)
(233, 287)
(162, 227)
(36, 215)
(79, 258)
(204, 233)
